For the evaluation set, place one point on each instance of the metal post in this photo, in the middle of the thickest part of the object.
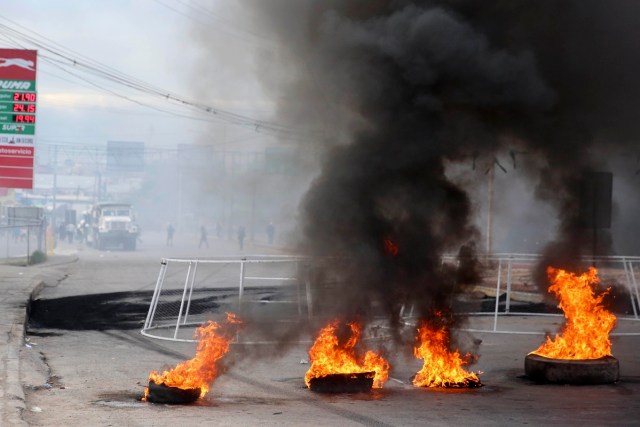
(253, 205)
(231, 196)
(156, 294)
(309, 296)
(635, 283)
(495, 315)
(298, 293)
(193, 279)
(184, 294)
(241, 284)
(629, 287)
(489, 247)
(40, 234)
(28, 244)
(54, 189)
(179, 222)
(508, 301)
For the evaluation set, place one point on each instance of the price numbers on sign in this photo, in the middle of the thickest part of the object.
(24, 118)
(24, 96)
(24, 108)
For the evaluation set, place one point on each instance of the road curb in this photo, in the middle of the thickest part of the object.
(13, 388)
(11, 392)
(14, 392)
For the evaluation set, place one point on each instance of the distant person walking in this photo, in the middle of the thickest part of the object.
(62, 231)
(271, 231)
(170, 231)
(203, 236)
(241, 234)
(71, 229)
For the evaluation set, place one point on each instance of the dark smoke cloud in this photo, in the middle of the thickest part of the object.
(403, 89)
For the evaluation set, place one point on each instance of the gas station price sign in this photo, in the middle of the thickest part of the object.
(12, 102)
(20, 105)
(18, 110)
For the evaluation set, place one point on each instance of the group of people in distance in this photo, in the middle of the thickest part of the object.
(241, 234)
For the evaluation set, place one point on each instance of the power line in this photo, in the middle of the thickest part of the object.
(203, 12)
(65, 58)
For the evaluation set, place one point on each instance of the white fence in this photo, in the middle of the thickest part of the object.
(613, 271)
(21, 240)
(188, 290)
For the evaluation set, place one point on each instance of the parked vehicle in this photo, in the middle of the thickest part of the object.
(112, 225)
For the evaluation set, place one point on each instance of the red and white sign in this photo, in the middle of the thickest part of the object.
(18, 64)
(17, 141)
(16, 167)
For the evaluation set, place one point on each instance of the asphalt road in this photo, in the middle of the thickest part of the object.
(94, 377)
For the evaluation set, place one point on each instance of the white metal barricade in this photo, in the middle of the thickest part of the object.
(629, 266)
(171, 309)
(226, 280)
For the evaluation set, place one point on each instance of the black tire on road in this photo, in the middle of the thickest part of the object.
(160, 393)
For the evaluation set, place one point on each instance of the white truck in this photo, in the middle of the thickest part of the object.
(112, 225)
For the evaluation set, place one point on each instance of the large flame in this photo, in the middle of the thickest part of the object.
(200, 372)
(442, 367)
(585, 334)
(329, 356)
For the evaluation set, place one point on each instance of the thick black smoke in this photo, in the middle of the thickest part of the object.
(404, 89)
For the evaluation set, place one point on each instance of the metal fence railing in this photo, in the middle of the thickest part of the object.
(190, 291)
(187, 291)
(19, 241)
(622, 272)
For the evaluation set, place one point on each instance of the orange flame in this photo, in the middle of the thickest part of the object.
(441, 368)
(585, 334)
(328, 356)
(200, 372)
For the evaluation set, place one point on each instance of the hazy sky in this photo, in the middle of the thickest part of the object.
(158, 42)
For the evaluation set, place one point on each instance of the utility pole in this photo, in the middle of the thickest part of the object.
(254, 184)
(55, 185)
(491, 178)
(489, 243)
(231, 196)
(179, 219)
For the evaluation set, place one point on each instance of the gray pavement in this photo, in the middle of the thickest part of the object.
(93, 377)
(17, 284)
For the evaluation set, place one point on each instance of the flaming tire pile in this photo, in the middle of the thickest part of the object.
(579, 354)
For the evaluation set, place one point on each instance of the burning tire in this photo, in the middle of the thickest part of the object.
(343, 383)
(566, 371)
(160, 393)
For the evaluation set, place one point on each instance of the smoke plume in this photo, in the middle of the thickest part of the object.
(401, 91)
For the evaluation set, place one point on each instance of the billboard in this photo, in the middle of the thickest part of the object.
(24, 215)
(17, 117)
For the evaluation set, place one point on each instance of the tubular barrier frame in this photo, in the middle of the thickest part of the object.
(189, 282)
(630, 266)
